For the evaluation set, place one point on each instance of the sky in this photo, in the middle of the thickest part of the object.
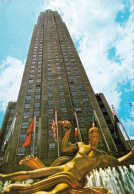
(102, 32)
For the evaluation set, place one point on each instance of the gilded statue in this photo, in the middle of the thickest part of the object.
(69, 177)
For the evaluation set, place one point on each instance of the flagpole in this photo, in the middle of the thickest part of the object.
(34, 134)
(102, 131)
(79, 134)
(57, 132)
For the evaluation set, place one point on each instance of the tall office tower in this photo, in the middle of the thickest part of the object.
(54, 80)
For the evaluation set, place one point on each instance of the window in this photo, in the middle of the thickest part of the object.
(74, 67)
(107, 117)
(32, 67)
(85, 100)
(75, 101)
(103, 110)
(50, 121)
(83, 92)
(31, 75)
(78, 109)
(61, 93)
(49, 78)
(62, 101)
(8, 126)
(37, 97)
(38, 75)
(35, 149)
(77, 77)
(70, 77)
(49, 73)
(21, 150)
(12, 111)
(30, 81)
(49, 94)
(38, 80)
(110, 126)
(80, 119)
(10, 118)
(50, 102)
(68, 72)
(50, 87)
(63, 110)
(81, 86)
(74, 93)
(52, 146)
(27, 106)
(50, 133)
(36, 104)
(58, 72)
(100, 102)
(59, 77)
(24, 124)
(68, 68)
(72, 87)
(37, 89)
(83, 131)
(87, 108)
(22, 137)
(49, 69)
(28, 97)
(58, 68)
(60, 86)
(32, 71)
(64, 118)
(37, 113)
(29, 90)
(50, 111)
(25, 114)
(37, 123)
(76, 72)
(90, 118)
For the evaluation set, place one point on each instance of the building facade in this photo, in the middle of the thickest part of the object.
(54, 78)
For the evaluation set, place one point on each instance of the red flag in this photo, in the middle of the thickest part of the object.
(53, 129)
(29, 134)
(76, 132)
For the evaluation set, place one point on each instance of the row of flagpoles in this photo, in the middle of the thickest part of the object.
(54, 128)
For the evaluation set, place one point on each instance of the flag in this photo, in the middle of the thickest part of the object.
(76, 132)
(29, 134)
(10, 132)
(54, 129)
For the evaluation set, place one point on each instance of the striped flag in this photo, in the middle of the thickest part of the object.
(94, 121)
(76, 132)
(10, 133)
(54, 129)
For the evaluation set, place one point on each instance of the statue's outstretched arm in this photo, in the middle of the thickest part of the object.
(65, 147)
(128, 158)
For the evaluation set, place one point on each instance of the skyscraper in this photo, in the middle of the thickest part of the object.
(54, 80)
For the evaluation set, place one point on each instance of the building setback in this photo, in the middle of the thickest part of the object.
(54, 77)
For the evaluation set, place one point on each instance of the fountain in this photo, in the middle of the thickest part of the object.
(119, 180)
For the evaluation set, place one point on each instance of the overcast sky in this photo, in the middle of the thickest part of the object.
(103, 35)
